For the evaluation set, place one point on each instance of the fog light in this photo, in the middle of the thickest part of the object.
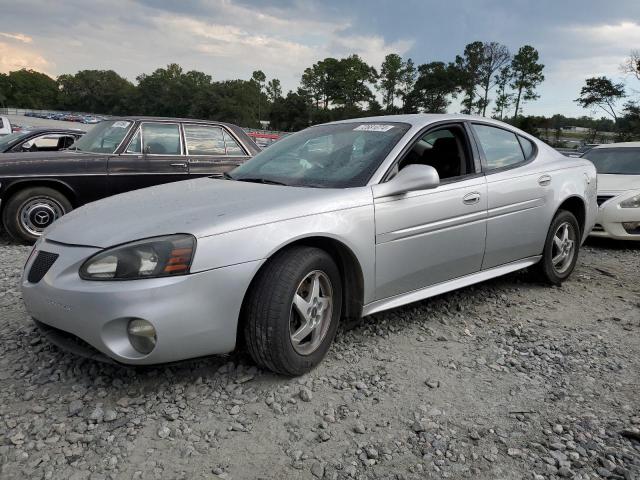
(142, 335)
(632, 227)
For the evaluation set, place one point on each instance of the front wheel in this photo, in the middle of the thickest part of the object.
(30, 211)
(561, 249)
(292, 311)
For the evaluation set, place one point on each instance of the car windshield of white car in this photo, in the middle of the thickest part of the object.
(104, 137)
(615, 161)
(330, 156)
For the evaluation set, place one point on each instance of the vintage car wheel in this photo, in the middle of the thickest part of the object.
(292, 311)
(31, 210)
(561, 249)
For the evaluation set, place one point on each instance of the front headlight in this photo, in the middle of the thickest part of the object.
(150, 258)
(633, 202)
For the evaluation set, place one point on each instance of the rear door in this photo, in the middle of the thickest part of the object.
(518, 191)
(211, 149)
(154, 155)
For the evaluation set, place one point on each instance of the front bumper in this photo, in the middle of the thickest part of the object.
(194, 315)
(610, 219)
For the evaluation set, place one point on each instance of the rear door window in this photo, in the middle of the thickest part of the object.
(501, 147)
(210, 140)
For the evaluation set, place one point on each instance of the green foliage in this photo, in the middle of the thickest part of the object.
(391, 73)
(102, 91)
(435, 84)
(469, 67)
(30, 89)
(602, 93)
(527, 75)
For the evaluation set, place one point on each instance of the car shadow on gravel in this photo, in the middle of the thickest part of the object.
(611, 244)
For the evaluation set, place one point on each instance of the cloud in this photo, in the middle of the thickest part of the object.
(14, 58)
(17, 36)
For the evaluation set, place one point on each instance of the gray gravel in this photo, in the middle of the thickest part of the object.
(504, 380)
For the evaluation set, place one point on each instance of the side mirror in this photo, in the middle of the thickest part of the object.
(409, 179)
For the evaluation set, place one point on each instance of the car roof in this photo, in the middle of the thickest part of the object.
(424, 119)
(618, 145)
(133, 118)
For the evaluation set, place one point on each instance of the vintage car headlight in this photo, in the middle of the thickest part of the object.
(633, 202)
(150, 258)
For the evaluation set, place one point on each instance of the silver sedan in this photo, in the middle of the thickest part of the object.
(335, 222)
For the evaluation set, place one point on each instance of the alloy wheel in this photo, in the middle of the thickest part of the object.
(563, 248)
(311, 312)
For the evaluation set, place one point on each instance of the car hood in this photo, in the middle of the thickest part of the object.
(617, 183)
(201, 207)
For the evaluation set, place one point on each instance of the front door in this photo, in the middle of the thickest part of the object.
(430, 236)
(153, 156)
(211, 150)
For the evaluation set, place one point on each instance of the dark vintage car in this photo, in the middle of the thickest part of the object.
(116, 156)
(39, 140)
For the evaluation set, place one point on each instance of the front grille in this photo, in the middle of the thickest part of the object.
(603, 198)
(41, 266)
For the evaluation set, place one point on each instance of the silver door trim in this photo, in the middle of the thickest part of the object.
(449, 285)
(439, 225)
(516, 207)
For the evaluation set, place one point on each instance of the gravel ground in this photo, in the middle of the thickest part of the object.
(504, 380)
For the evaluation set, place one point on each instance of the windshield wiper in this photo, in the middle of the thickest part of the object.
(266, 181)
(227, 176)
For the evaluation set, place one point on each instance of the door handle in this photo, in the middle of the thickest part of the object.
(179, 165)
(471, 198)
(544, 180)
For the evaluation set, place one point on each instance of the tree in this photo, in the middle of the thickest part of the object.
(169, 92)
(503, 99)
(289, 113)
(352, 77)
(435, 83)
(390, 77)
(96, 91)
(469, 73)
(31, 89)
(602, 93)
(4, 89)
(495, 56)
(258, 77)
(527, 75)
(406, 85)
(274, 90)
(632, 64)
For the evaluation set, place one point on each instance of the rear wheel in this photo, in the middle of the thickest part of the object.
(30, 211)
(561, 249)
(292, 312)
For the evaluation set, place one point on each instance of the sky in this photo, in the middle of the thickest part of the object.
(229, 39)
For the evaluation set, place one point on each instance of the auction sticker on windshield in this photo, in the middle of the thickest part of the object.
(121, 124)
(372, 127)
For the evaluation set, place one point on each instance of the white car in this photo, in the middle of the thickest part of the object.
(618, 166)
(5, 126)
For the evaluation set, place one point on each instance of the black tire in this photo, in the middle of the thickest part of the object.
(268, 310)
(545, 270)
(54, 205)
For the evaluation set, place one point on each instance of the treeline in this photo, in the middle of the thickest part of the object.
(485, 77)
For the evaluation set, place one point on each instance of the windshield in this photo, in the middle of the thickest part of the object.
(7, 140)
(331, 156)
(615, 161)
(104, 137)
